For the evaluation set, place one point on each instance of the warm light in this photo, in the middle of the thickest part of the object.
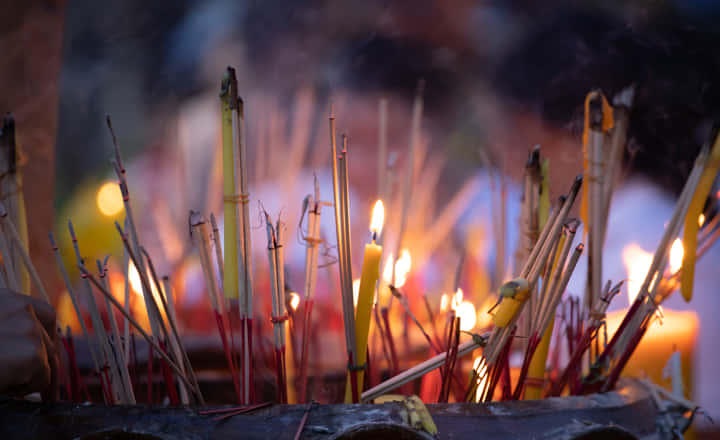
(402, 268)
(378, 217)
(444, 302)
(480, 367)
(109, 199)
(457, 299)
(637, 262)
(484, 319)
(136, 283)
(466, 312)
(134, 278)
(294, 300)
(356, 291)
(388, 269)
(676, 255)
(701, 219)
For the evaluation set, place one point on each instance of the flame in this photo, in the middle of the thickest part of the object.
(468, 316)
(701, 219)
(444, 302)
(637, 262)
(465, 310)
(388, 269)
(109, 199)
(378, 217)
(676, 255)
(457, 299)
(294, 300)
(402, 268)
(356, 291)
(136, 283)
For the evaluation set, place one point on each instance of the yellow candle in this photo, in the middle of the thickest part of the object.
(678, 332)
(366, 292)
(230, 281)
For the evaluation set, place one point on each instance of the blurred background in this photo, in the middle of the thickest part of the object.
(499, 77)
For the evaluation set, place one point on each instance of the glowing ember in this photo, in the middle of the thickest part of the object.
(294, 300)
(378, 217)
(402, 268)
(109, 199)
(637, 261)
(676, 255)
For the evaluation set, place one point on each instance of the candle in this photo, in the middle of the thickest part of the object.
(366, 293)
(678, 332)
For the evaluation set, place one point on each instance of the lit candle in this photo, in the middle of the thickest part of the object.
(366, 292)
(677, 330)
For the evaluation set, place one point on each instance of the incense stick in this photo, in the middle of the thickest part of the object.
(420, 369)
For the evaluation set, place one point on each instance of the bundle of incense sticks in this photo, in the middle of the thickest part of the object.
(342, 228)
(501, 336)
(312, 206)
(276, 259)
(526, 308)
(201, 238)
(238, 264)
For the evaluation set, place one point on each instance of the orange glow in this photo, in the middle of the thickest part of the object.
(676, 255)
(637, 261)
(468, 317)
(378, 217)
(356, 291)
(480, 367)
(109, 199)
(388, 269)
(402, 268)
(444, 302)
(295, 300)
(701, 219)
(136, 283)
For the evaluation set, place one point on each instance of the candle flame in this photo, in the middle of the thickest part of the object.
(109, 199)
(676, 255)
(444, 302)
(457, 299)
(402, 268)
(468, 317)
(637, 261)
(294, 300)
(378, 218)
(356, 291)
(388, 269)
(136, 283)
(701, 219)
